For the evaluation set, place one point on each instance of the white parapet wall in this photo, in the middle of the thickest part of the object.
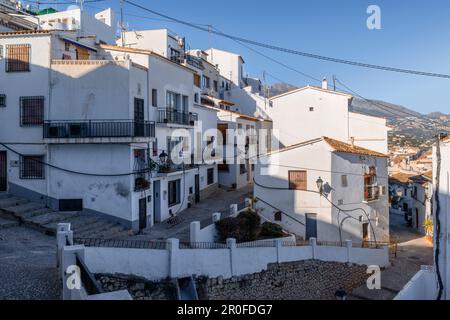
(221, 260)
(423, 286)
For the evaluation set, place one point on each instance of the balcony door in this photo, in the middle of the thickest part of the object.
(3, 170)
(139, 117)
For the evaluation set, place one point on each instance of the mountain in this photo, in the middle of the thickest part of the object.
(409, 128)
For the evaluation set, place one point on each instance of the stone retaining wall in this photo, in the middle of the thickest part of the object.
(303, 280)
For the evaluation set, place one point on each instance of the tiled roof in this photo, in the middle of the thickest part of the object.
(340, 146)
(24, 32)
(336, 145)
(401, 177)
(429, 174)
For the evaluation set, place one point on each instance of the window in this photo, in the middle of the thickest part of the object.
(18, 58)
(210, 179)
(2, 100)
(31, 111)
(311, 109)
(154, 98)
(174, 192)
(216, 86)
(205, 82)
(242, 169)
(66, 46)
(175, 55)
(155, 148)
(197, 80)
(277, 216)
(1, 52)
(185, 105)
(344, 181)
(172, 100)
(32, 167)
(196, 97)
(297, 180)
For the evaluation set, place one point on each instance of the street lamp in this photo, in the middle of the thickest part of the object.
(319, 183)
(163, 158)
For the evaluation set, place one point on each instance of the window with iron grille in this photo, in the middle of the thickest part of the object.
(31, 111)
(18, 58)
(297, 180)
(154, 98)
(32, 167)
(2, 100)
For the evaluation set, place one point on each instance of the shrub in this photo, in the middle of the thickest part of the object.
(249, 225)
(227, 228)
(271, 230)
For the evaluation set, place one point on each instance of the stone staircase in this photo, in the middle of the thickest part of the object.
(15, 210)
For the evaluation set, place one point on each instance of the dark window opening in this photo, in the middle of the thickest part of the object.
(32, 167)
(31, 111)
(210, 176)
(174, 192)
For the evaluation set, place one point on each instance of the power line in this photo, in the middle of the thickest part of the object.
(73, 171)
(295, 52)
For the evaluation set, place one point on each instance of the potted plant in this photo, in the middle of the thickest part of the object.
(428, 226)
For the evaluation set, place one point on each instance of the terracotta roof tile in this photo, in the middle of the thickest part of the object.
(340, 146)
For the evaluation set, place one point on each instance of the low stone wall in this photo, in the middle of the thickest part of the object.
(302, 280)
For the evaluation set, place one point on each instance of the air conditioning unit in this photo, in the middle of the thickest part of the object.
(56, 132)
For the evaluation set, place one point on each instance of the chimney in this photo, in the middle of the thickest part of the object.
(352, 141)
(325, 83)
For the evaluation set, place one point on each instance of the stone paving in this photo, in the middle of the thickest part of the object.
(413, 252)
(38, 216)
(28, 265)
(218, 201)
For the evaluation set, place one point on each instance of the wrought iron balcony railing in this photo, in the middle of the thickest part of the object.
(98, 129)
(176, 117)
(371, 192)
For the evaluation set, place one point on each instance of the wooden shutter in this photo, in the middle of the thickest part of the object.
(297, 180)
(197, 80)
(18, 58)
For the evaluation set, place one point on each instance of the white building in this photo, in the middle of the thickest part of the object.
(71, 140)
(425, 285)
(352, 204)
(97, 128)
(13, 17)
(311, 112)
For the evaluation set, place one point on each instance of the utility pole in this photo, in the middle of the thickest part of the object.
(265, 90)
(334, 82)
(121, 24)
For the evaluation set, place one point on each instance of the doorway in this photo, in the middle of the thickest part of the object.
(417, 219)
(3, 172)
(156, 202)
(197, 188)
(311, 226)
(365, 230)
(139, 117)
(142, 213)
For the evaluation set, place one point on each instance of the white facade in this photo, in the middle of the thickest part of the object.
(311, 112)
(230, 65)
(305, 212)
(102, 25)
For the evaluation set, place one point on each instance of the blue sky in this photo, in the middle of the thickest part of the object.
(414, 35)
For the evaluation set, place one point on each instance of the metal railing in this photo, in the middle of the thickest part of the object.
(98, 129)
(371, 193)
(115, 243)
(202, 245)
(88, 280)
(176, 117)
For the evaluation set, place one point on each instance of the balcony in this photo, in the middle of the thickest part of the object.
(176, 117)
(101, 130)
(371, 192)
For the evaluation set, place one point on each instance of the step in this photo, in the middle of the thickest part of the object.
(13, 201)
(24, 208)
(30, 214)
(106, 230)
(7, 223)
(82, 221)
(82, 228)
(124, 234)
(5, 195)
(52, 217)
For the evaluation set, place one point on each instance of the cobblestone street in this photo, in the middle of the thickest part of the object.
(413, 252)
(216, 202)
(28, 265)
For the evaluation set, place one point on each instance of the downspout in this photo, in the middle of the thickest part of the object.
(48, 115)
